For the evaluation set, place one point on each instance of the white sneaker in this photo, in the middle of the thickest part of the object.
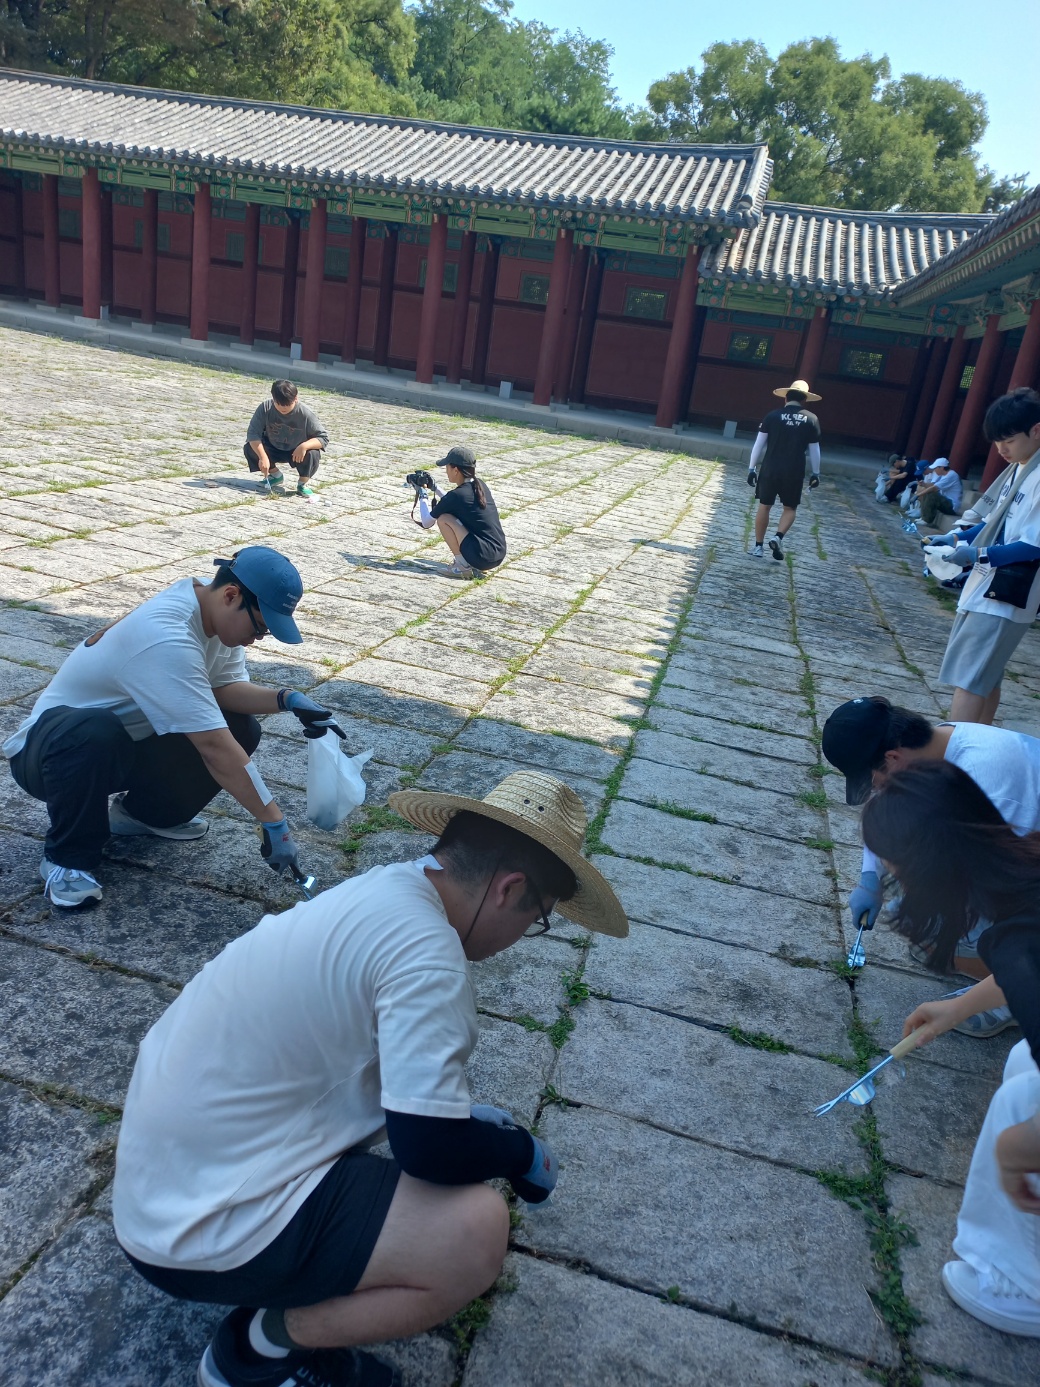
(124, 825)
(987, 1023)
(68, 886)
(776, 546)
(993, 1299)
(461, 570)
(756, 551)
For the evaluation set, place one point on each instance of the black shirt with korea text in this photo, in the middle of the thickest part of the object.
(790, 431)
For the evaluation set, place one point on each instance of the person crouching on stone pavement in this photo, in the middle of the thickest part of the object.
(282, 430)
(1000, 600)
(787, 438)
(959, 862)
(243, 1175)
(467, 517)
(157, 709)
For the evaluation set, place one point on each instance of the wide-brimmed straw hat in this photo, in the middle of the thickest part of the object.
(803, 386)
(546, 810)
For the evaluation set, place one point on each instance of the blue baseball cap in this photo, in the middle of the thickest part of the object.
(276, 585)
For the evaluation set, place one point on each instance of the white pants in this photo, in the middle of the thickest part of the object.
(991, 1232)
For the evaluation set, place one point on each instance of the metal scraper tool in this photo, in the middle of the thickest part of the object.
(863, 1090)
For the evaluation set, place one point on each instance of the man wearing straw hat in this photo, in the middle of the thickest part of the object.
(242, 1173)
(786, 439)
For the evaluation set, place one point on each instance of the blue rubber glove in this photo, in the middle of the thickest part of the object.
(963, 555)
(540, 1181)
(752, 477)
(867, 899)
(814, 481)
(278, 848)
(316, 719)
(498, 1117)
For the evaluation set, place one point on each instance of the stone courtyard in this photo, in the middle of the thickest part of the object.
(706, 1228)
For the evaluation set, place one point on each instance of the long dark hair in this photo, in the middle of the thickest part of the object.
(956, 859)
(469, 472)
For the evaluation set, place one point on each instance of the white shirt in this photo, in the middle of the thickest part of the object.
(949, 484)
(156, 669)
(1005, 765)
(1021, 522)
(282, 1054)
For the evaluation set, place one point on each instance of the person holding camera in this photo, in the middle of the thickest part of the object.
(466, 516)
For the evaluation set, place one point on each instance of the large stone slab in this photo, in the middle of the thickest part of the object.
(707, 726)
(510, 1067)
(760, 771)
(741, 859)
(555, 1326)
(741, 806)
(563, 756)
(525, 980)
(783, 1252)
(924, 1128)
(723, 985)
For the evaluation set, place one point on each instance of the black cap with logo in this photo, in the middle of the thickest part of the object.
(855, 737)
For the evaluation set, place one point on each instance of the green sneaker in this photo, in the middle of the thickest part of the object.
(302, 490)
(273, 478)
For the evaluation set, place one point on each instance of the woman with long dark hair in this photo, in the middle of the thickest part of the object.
(959, 863)
(467, 517)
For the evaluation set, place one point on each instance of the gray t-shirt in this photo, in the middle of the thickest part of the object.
(285, 431)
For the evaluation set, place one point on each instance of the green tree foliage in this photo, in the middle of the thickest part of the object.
(842, 132)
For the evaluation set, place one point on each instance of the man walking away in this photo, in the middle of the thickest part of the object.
(786, 438)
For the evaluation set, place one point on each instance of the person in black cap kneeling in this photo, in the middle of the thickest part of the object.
(157, 710)
(467, 517)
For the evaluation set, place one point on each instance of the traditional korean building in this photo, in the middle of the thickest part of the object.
(651, 279)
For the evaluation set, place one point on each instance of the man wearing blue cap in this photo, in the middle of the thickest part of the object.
(157, 709)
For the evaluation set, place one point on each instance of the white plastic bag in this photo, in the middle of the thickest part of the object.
(335, 786)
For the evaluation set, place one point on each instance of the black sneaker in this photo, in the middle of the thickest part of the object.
(231, 1361)
(776, 547)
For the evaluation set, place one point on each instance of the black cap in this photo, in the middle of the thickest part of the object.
(854, 736)
(459, 457)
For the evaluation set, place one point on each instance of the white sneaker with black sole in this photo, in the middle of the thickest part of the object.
(776, 548)
(124, 825)
(756, 551)
(68, 887)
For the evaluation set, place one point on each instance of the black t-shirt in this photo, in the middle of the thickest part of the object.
(481, 521)
(790, 431)
(1011, 951)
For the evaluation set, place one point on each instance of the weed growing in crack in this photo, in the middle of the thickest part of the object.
(758, 1040)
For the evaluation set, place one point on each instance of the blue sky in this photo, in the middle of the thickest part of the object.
(989, 45)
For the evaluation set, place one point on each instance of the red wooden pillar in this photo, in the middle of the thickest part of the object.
(485, 313)
(948, 387)
(431, 303)
(250, 263)
(290, 271)
(571, 323)
(384, 314)
(813, 343)
(201, 226)
(91, 245)
(978, 397)
(355, 273)
(552, 322)
(18, 267)
(314, 284)
(912, 395)
(460, 316)
(1024, 372)
(51, 242)
(149, 254)
(107, 251)
(677, 360)
(586, 329)
(926, 400)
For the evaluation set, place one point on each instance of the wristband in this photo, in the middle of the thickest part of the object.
(281, 699)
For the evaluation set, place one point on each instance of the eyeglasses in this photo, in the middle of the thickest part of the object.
(541, 925)
(258, 631)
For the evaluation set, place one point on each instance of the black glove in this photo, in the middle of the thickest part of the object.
(814, 481)
(278, 848)
(752, 477)
(316, 719)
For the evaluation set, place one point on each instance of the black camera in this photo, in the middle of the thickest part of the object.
(420, 481)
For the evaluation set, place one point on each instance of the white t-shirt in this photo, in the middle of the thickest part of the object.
(1021, 522)
(949, 484)
(282, 1054)
(156, 669)
(1005, 765)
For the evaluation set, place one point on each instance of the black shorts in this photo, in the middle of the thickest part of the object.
(321, 1253)
(470, 551)
(783, 484)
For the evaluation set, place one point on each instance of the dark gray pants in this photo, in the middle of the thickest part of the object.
(74, 758)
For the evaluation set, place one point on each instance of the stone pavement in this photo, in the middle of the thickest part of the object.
(706, 1229)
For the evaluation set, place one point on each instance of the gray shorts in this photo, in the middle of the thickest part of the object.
(978, 650)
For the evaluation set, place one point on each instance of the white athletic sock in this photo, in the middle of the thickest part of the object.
(260, 1343)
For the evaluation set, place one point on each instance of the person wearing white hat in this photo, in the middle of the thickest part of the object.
(786, 439)
(243, 1175)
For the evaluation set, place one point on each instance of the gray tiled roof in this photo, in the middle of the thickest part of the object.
(859, 253)
(720, 184)
(954, 268)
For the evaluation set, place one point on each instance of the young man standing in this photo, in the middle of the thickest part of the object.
(282, 430)
(157, 709)
(786, 439)
(243, 1175)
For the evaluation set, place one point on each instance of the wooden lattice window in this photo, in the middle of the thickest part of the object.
(645, 303)
(865, 365)
(750, 346)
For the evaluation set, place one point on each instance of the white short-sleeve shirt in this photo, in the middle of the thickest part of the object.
(281, 1055)
(155, 669)
(1021, 522)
